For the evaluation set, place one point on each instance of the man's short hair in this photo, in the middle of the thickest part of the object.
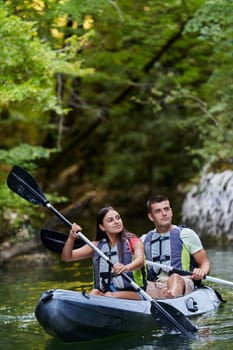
(158, 198)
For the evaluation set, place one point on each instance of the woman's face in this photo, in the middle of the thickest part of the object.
(112, 223)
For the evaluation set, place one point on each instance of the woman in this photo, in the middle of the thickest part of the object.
(124, 249)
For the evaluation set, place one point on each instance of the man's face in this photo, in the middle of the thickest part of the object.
(161, 214)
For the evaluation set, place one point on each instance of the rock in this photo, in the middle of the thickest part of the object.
(32, 261)
(208, 207)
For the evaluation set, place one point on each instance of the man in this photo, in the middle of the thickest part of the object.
(179, 247)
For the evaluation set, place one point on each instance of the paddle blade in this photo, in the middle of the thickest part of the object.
(22, 183)
(170, 319)
(55, 241)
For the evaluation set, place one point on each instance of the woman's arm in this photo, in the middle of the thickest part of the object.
(137, 263)
(70, 254)
(139, 258)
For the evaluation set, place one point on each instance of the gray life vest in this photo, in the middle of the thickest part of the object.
(167, 249)
(104, 279)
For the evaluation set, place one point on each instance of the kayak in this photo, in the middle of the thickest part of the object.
(78, 316)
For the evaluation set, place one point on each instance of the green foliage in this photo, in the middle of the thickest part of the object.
(33, 62)
(213, 23)
(170, 122)
(25, 64)
(24, 154)
(29, 65)
(133, 94)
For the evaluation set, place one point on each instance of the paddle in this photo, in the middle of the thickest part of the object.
(166, 316)
(188, 273)
(55, 241)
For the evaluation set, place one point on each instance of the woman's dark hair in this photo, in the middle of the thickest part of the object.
(100, 234)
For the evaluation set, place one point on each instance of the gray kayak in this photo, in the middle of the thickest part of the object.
(77, 316)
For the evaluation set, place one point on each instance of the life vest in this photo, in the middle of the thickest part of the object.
(104, 279)
(167, 249)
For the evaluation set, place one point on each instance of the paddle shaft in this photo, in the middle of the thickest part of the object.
(188, 273)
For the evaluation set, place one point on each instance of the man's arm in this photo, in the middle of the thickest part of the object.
(203, 265)
(194, 244)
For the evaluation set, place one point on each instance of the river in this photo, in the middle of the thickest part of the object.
(22, 285)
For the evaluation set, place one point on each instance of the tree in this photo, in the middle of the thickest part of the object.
(126, 96)
(33, 61)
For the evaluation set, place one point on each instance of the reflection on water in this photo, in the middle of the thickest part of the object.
(146, 342)
(22, 286)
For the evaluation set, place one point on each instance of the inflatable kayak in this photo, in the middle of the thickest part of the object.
(77, 316)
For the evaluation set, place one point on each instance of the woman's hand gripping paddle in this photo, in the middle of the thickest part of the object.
(166, 316)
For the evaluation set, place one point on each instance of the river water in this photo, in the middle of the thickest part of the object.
(21, 287)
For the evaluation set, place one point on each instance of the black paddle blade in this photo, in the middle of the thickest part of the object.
(55, 241)
(170, 319)
(22, 183)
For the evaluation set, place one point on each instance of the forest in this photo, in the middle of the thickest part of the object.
(109, 101)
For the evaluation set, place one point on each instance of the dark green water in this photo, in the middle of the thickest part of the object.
(22, 285)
